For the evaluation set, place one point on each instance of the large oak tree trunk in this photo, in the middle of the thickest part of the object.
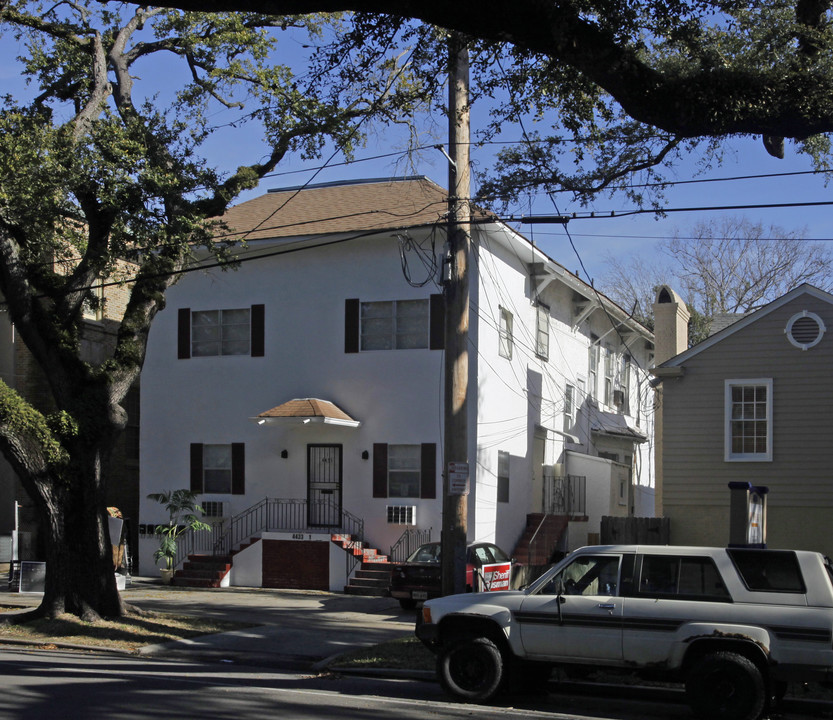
(72, 510)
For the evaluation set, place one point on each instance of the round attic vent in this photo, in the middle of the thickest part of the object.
(805, 330)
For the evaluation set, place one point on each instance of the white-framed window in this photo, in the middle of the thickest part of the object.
(401, 514)
(569, 407)
(216, 466)
(404, 471)
(503, 461)
(505, 331)
(593, 366)
(748, 420)
(542, 331)
(220, 332)
(394, 325)
(609, 375)
(623, 399)
(218, 469)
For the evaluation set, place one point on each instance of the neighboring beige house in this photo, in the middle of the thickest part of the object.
(749, 405)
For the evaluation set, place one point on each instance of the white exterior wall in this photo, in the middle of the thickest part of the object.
(395, 394)
(502, 409)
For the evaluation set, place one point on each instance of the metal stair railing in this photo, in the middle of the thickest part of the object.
(409, 541)
(287, 515)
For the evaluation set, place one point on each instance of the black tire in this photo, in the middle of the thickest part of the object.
(407, 603)
(726, 686)
(470, 669)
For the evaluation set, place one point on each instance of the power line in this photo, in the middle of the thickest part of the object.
(562, 219)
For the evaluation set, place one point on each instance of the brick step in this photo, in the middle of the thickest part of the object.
(365, 591)
(374, 571)
(383, 583)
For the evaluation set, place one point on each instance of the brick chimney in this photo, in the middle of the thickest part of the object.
(671, 318)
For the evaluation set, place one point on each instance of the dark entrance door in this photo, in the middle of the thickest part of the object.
(324, 485)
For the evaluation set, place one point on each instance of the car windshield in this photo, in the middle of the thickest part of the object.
(429, 553)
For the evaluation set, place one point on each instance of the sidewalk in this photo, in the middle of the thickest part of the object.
(291, 628)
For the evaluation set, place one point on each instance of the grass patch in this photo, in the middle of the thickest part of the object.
(403, 654)
(127, 633)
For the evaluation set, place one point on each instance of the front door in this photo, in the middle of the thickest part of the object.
(324, 485)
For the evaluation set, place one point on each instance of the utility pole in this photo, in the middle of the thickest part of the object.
(456, 293)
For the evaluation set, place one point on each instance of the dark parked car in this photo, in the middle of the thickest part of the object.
(420, 576)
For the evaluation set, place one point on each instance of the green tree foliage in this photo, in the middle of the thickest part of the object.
(690, 68)
(101, 177)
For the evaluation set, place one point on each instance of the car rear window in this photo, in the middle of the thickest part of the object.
(768, 570)
(682, 578)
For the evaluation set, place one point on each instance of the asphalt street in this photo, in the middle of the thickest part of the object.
(290, 628)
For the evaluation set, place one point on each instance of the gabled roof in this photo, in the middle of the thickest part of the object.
(747, 320)
(379, 204)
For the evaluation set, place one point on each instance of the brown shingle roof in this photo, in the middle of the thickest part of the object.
(307, 410)
(339, 207)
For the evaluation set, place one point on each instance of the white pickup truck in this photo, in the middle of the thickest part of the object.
(735, 625)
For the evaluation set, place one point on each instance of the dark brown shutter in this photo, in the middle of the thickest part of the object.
(258, 318)
(437, 322)
(238, 469)
(196, 468)
(380, 470)
(183, 335)
(428, 471)
(351, 326)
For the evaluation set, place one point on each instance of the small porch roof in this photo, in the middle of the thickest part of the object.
(303, 411)
(605, 423)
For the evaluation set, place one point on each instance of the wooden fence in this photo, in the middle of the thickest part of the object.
(635, 531)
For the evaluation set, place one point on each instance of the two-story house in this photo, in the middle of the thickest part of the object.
(312, 376)
(747, 406)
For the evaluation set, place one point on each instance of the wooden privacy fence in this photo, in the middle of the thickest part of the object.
(635, 531)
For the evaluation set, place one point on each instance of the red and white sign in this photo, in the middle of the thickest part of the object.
(497, 576)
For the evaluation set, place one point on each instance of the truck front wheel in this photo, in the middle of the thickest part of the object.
(470, 668)
(726, 686)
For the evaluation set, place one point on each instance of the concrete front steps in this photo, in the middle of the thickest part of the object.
(540, 539)
(372, 579)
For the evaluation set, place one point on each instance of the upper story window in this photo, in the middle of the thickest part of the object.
(542, 331)
(220, 332)
(593, 365)
(621, 396)
(505, 331)
(569, 407)
(213, 333)
(610, 360)
(748, 420)
(394, 324)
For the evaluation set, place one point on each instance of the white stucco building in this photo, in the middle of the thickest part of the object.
(313, 373)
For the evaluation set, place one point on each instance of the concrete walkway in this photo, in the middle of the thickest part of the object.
(290, 628)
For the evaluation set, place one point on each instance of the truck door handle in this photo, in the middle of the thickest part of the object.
(606, 606)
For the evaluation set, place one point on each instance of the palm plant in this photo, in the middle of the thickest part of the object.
(182, 507)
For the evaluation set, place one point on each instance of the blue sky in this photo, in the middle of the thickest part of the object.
(594, 238)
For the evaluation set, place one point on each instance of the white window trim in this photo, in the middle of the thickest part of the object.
(728, 456)
(505, 333)
(542, 331)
